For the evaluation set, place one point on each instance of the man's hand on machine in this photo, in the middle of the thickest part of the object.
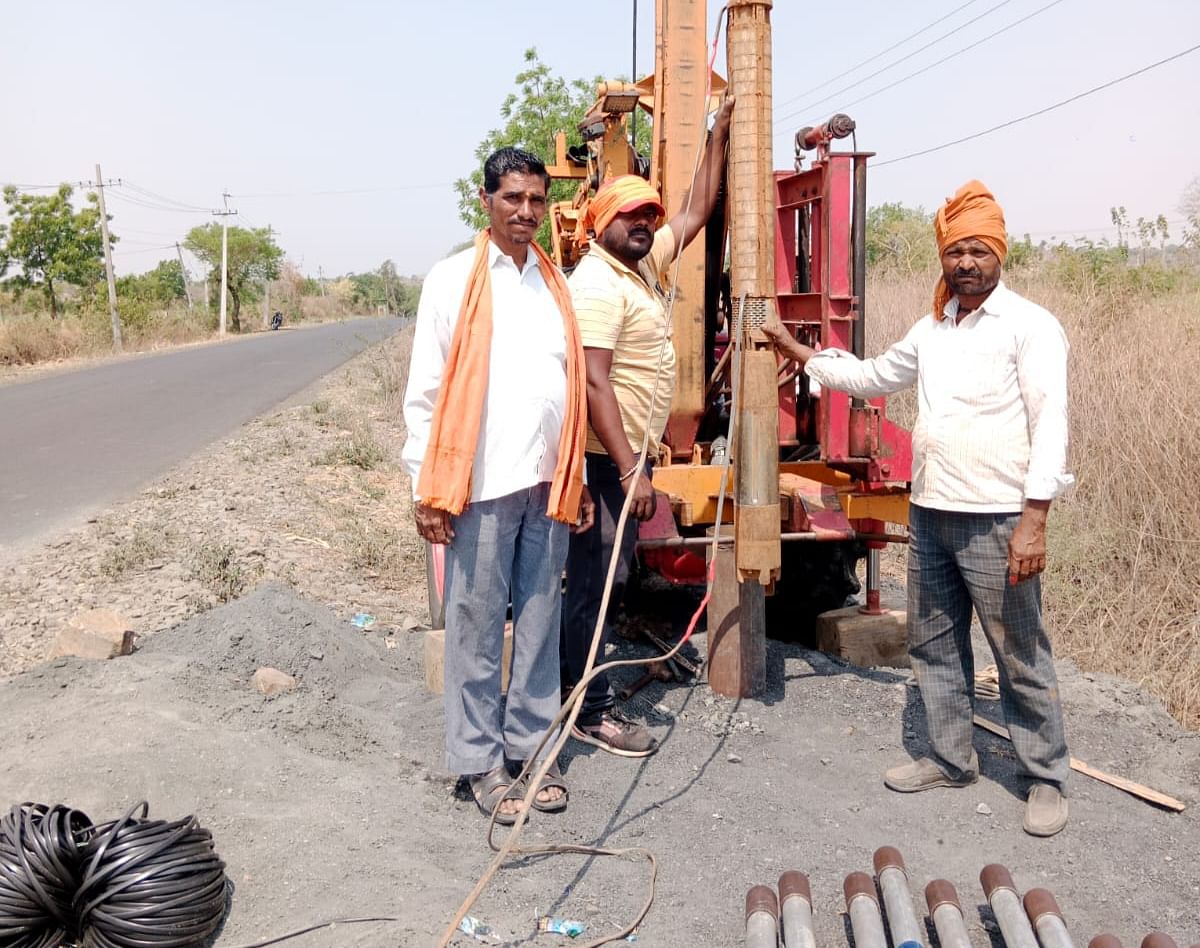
(433, 525)
(786, 344)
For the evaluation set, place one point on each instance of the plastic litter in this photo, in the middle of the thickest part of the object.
(477, 929)
(364, 620)
(561, 926)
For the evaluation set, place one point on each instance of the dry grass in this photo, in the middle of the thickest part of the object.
(1121, 590)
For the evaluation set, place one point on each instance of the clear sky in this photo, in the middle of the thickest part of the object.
(277, 102)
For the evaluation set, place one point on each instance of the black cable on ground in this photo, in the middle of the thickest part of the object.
(130, 883)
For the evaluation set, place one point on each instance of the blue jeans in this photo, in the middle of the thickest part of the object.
(959, 561)
(501, 548)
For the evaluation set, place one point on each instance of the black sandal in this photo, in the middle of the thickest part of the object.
(490, 790)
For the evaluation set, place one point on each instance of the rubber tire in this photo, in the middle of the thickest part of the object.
(435, 566)
(814, 578)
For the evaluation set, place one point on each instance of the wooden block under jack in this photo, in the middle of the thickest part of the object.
(435, 659)
(868, 641)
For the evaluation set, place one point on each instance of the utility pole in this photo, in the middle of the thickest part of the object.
(183, 270)
(321, 277)
(108, 268)
(224, 215)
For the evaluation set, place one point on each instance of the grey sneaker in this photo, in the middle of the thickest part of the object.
(616, 734)
(924, 774)
(1045, 810)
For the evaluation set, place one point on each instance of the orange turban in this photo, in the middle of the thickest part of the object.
(972, 212)
(626, 193)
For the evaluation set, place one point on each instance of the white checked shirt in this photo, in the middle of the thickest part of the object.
(991, 427)
(527, 374)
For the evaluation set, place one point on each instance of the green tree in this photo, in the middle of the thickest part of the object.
(253, 257)
(163, 284)
(900, 238)
(385, 287)
(543, 105)
(1189, 206)
(51, 242)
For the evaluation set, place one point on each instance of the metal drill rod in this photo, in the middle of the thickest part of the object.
(762, 918)
(1002, 895)
(897, 898)
(795, 909)
(947, 915)
(863, 909)
(1046, 916)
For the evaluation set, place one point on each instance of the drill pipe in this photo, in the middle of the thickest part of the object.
(947, 914)
(1005, 901)
(762, 918)
(795, 907)
(897, 899)
(863, 908)
(1047, 919)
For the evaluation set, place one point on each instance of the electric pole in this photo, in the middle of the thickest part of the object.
(108, 268)
(183, 271)
(321, 276)
(224, 215)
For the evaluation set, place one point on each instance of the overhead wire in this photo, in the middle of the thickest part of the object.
(891, 65)
(1036, 113)
(871, 59)
(152, 195)
(946, 59)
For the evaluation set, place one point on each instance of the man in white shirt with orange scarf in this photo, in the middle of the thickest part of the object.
(496, 416)
(989, 455)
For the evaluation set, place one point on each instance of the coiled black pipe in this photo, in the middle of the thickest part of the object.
(130, 883)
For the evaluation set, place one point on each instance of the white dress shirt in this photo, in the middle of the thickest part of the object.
(991, 427)
(527, 375)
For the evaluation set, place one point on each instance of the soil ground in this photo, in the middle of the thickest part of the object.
(332, 800)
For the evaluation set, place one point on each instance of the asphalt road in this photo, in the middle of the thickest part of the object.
(75, 442)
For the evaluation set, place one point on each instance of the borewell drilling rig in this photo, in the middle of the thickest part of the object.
(814, 477)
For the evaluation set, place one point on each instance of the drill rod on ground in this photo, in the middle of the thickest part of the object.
(1046, 918)
(762, 918)
(947, 915)
(795, 907)
(897, 898)
(863, 909)
(1005, 901)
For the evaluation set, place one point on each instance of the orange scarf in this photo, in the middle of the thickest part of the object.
(972, 212)
(445, 479)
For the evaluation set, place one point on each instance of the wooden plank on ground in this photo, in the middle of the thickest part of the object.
(1121, 783)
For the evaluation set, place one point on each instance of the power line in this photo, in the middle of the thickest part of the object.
(137, 201)
(146, 192)
(287, 194)
(944, 59)
(905, 57)
(1049, 108)
(871, 59)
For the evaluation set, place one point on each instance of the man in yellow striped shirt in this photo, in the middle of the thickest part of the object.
(620, 306)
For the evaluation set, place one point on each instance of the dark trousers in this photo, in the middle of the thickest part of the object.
(587, 568)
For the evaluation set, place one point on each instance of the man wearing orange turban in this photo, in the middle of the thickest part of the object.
(989, 455)
(618, 294)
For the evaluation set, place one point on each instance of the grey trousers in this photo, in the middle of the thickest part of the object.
(501, 548)
(957, 561)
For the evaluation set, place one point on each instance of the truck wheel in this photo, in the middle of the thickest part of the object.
(435, 583)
